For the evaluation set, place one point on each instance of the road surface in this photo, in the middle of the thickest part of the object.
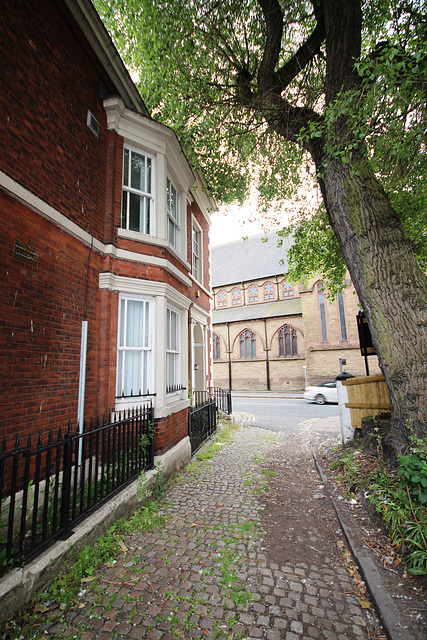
(281, 414)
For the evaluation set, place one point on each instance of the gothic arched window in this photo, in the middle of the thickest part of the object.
(247, 344)
(236, 296)
(216, 347)
(288, 343)
(288, 289)
(253, 293)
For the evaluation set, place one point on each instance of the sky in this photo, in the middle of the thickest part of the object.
(232, 222)
(232, 225)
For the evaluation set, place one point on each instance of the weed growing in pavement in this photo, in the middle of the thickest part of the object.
(399, 495)
(347, 466)
(260, 489)
(269, 474)
(63, 593)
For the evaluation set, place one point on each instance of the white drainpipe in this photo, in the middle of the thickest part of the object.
(82, 384)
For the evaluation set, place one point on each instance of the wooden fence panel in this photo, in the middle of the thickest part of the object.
(367, 396)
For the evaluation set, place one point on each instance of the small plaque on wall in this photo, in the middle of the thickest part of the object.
(26, 254)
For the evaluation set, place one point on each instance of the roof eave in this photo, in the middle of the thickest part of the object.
(97, 36)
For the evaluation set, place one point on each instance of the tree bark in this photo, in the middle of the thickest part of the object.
(391, 287)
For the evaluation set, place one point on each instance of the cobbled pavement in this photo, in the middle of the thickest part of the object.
(206, 572)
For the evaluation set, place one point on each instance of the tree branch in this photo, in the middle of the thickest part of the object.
(270, 80)
(273, 17)
(305, 54)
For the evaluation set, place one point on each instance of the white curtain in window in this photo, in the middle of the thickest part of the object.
(134, 348)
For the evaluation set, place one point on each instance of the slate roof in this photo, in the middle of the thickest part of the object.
(244, 260)
(291, 307)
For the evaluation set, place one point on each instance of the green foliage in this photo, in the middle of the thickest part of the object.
(187, 56)
(190, 57)
(146, 518)
(346, 465)
(315, 252)
(412, 472)
(399, 498)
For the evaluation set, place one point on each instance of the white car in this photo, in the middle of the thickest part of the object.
(325, 392)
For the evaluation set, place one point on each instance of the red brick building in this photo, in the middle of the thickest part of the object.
(104, 228)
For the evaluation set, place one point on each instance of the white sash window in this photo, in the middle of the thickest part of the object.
(134, 361)
(138, 201)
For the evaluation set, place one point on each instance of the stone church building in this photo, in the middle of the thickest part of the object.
(269, 334)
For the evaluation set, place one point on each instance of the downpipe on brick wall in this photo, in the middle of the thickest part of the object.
(82, 384)
(83, 354)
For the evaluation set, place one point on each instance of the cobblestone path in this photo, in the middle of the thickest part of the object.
(213, 571)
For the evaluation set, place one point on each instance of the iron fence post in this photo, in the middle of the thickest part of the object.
(66, 485)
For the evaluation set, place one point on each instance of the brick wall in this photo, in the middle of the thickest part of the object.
(321, 359)
(49, 79)
(170, 430)
(41, 310)
(48, 82)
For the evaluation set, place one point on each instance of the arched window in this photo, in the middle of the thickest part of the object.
(216, 347)
(247, 344)
(222, 299)
(288, 290)
(288, 343)
(236, 296)
(341, 310)
(322, 311)
(253, 293)
(268, 291)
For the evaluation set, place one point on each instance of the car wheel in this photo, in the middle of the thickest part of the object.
(320, 399)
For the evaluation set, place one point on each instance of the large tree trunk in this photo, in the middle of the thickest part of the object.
(391, 286)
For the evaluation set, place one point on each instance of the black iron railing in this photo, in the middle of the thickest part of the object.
(136, 395)
(223, 399)
(202, 420)
(47, 487)
(203, 414)
(200, 398)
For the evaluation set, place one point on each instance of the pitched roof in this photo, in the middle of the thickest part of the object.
(291, 307)
(244, 260)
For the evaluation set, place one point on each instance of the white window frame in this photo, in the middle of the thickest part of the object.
(196, 256)
(173, 350)
(145, 350)
(173, 217)
(146, 195)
